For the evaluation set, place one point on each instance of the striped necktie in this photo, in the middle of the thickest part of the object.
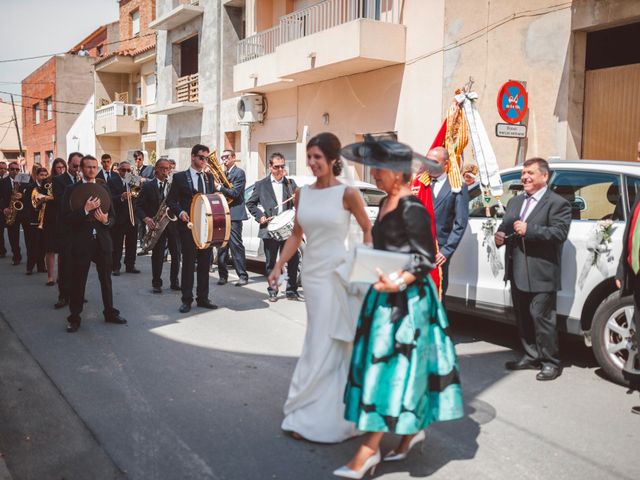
(634, 241)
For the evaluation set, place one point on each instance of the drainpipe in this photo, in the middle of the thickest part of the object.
(219, 77)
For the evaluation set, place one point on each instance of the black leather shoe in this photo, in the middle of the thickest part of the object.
(117, 319)
(185, 308)
(175, 286)
(273, 297)
(156, 289)
(222, 281)
(207, 304)
(635, 410)
(522, 364)
(548, 372)
(62, 302)
(16, 260)
(293, 296)
(132, 270)
(29, 272)
(50, 283)
(72, 327)
(242, 282)
(116, 273)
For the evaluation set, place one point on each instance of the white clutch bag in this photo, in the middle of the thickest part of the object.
(368, 260)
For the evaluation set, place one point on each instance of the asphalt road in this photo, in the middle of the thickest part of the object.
(200, 396)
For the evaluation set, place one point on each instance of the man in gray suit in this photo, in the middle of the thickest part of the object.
(451, 210)
(534, 229)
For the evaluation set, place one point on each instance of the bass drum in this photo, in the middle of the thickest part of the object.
(210, 220)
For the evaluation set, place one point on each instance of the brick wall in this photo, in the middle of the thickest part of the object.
(39, 137)
(146, 38)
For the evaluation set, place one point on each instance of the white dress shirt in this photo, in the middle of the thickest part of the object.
(439, 183)
(194, 179)
(278, 189)
(535, 198)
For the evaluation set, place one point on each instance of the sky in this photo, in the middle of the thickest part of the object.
(42, 27)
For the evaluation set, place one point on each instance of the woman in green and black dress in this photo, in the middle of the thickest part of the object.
(404, 372)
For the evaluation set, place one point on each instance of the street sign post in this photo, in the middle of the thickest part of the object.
(508, 130)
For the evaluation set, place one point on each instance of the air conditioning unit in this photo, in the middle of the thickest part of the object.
(251, 108)
(139, 113)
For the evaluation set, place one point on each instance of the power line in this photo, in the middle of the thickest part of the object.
(43, 99)
(62, 53)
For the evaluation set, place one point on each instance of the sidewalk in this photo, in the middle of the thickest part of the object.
(41, 436)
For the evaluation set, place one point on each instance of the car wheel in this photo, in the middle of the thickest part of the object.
(613, 339)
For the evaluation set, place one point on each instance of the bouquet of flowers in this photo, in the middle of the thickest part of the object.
(599, 247)
(489, 242)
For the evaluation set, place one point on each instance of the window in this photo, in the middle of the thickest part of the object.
(150, 85)
(99, 50)
(49, 155)
(36, 157)
(633, 189)
(289, 152)
(36, 113)
(189, 56)
(49, 106)
(593, 195)
(139, 93)
(135, 23)
(511, 186)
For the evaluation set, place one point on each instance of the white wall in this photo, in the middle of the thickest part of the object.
(82, 136)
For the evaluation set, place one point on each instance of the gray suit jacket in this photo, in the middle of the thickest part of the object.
(533, 262)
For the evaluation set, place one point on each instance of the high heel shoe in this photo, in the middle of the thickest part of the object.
(392, 456)
(368, 467)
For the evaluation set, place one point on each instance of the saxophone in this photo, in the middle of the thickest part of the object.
(162, 218)
(39, 202)
(213, 166)
(14, 204)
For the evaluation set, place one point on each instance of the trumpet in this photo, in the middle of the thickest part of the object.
(39, 202)
(213, 167)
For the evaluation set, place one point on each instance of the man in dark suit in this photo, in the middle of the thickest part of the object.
(451, 210)
(34, 237)
(534, 229)
(13, 231)
(144, 171)
(123, 232)
(89, 241)
(105, 172)
(4, 172)
(152, 194)
(268, 199)
(628, 275)
(60, 184)
(183, 187)
(238, 180)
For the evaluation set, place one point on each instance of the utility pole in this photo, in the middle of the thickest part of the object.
(15, 120)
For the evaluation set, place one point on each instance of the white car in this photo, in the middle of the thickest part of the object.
(253, 244)
(589, 303)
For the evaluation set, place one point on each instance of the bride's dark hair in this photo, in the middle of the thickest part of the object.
(330, 146)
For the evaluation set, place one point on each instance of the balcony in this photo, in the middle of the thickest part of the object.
(118, 119)
(186, 97)
(327, 40)
(176, 17)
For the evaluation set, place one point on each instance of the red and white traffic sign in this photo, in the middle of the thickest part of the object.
(513, 101)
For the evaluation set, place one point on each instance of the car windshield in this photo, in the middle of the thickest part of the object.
(372, 198)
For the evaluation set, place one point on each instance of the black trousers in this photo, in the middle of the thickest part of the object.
(271, 249)
(238, 256)
(13, 232)
(77, 282)
(157, 258)
(3, 248)
(34, 239)
(125, 235)
(190, 256)
(536, 319)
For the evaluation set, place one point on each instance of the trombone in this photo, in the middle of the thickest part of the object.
(132, 187)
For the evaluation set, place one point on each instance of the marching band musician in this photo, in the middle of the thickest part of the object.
(35, 236)
(50, 231)
(60, 184)
(89, 240)
(142, 170)
(105, 172)
(123, 232)
(13, 231)
(151, 196)
(238, 214)
(184, 186)
(3, 250)
(266, 201)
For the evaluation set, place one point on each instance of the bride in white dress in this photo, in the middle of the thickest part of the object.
(314, 409)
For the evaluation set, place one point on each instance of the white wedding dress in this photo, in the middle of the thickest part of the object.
(314, 408)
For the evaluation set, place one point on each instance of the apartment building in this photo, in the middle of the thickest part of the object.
(125, 86)
(9, 145)
(54, 95)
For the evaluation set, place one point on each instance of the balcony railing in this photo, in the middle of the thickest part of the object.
(314, 19)
(116, 109)
(187, 88)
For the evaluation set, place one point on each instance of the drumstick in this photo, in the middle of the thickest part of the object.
(279, 205)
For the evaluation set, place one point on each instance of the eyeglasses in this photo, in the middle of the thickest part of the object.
(201, 157)
(15, 169)
(278, 167)
(125, 170)
(224, 157)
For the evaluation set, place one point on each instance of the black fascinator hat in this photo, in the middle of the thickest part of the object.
(383, 152)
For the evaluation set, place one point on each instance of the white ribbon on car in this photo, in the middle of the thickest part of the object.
(600, 254)
(489, 242)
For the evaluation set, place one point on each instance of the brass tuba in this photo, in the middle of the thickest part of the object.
(213, 167)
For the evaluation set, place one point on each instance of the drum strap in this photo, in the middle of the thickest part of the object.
(194, 190)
